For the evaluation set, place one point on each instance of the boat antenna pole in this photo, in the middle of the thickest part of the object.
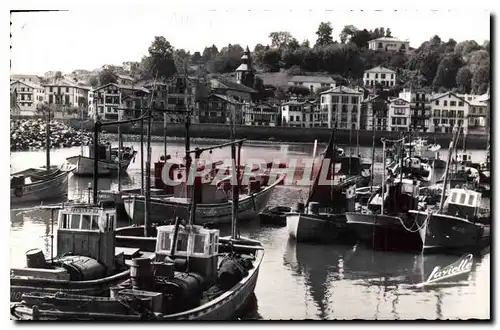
(120, 143)
(234, 179)
(383, 177)
(142, 150)
(187, 141)
(147, 196)
(97, 127)
(52, 235)
(402, 156)
(47, 141)
(450, 152)
(165, 125)
(374, 119)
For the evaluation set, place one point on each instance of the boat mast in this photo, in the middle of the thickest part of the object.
(374, 119)
(147, 196)
(383, 177)
(142, 150)
(445, 183)
(165, 126)
(120, 143)
(235, 173)
(47, 141)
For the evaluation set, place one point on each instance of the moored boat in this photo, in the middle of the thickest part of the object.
(384, 224)
(215, 209)
(274, 215)
(87, 260)
(322, 218)
(34, 185)
(461, 225)
(219, 281)
(110, 160)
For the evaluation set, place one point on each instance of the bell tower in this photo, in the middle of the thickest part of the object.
(244, 73)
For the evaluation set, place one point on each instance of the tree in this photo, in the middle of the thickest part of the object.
(305, 43)
(181, 59)
(58, 75)
(161, 61)
(259, 48)
(279, 93)
(347, 33)
(299, 90)
(196, 58)
(271, 59)
(466, 47)
(293, 44)
(464, 80)
(481, 78)
(447, 72)
(398, 61)
(209, 53)
(388, 33)
(361, 38)
(280, 39)
(93, 81)
(107, 76)
(324, 34)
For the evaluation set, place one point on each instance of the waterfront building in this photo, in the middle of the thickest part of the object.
(389, 44)
(219, 109)
(399, 118)
(449, 110)
(343, 107)
(261, 114)
(30, 79)
(118, 102)
(313, 83)
(177, 93)
(420, 109)
(379, 75)
(67, 98)
(301, 113)
(477, 113)
(123, 79)
(375, 113)
(27, 96)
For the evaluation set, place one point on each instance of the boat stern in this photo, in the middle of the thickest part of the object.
(292, 224)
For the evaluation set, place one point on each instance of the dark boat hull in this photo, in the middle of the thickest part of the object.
(164, 210)
(224, 307)
(327, 228)
(447, 233)
(20, 286)
(385, 232)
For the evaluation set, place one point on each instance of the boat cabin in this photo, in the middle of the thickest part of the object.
(399, 197)
(463, 203)
(195, 245)
(464, 158)
(87, 231)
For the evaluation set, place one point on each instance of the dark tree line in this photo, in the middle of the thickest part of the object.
(435, 65)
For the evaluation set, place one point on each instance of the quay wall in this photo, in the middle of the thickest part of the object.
(287, 134)
(280, 134)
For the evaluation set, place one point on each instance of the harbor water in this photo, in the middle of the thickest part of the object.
(297, 281)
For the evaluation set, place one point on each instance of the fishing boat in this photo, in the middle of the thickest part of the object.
(322, 218)
(459, 223)
(87, 261)
(111, 160)
(275, 215)
(191, 277)
(38, 184)
(416, 167)
(214, 198)
(461, 226)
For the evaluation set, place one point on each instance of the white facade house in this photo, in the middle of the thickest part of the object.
(27, 96)
(313, 83)
(295, 113)
(343, 106)
(478, 112)
(379, 75)
(399, 115)
(118, 102)
(448, 110)
(389, 44)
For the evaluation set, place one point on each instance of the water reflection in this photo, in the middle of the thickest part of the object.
(384, 281)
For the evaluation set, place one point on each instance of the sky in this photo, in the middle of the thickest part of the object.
(87, 37)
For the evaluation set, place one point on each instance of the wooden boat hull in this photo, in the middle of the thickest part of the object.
(223, 307)
(384, 232)
(220, 213)
(441, 232)
(331, 228)
(54, 187)
(85, 166)
(20, 285)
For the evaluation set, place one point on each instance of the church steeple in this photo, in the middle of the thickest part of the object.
(244, 73)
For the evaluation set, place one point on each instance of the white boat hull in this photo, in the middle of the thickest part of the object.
(50, 189)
